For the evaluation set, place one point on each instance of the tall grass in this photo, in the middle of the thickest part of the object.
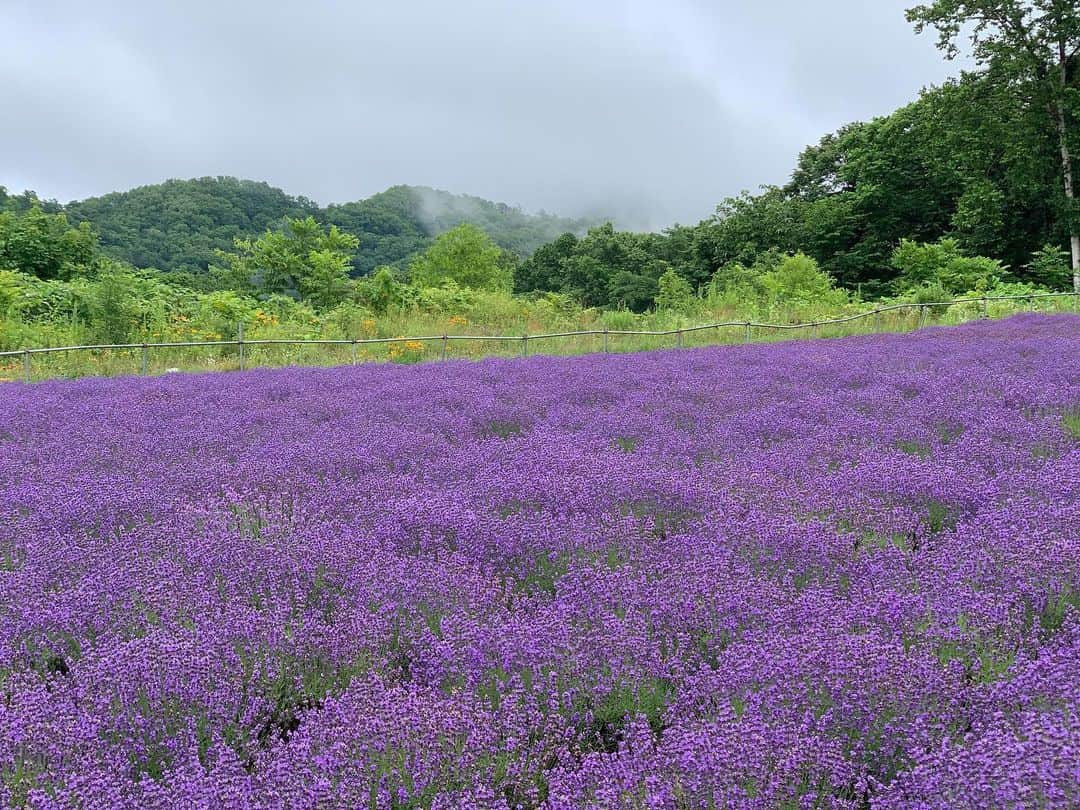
(495, 315)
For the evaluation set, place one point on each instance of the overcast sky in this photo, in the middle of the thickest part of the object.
(652, 111)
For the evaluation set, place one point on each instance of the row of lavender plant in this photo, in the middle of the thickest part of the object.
(824, 574)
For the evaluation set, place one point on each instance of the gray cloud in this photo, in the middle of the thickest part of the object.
(650, 111)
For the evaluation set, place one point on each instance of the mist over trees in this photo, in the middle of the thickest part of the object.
(980, 166)
(179, 225)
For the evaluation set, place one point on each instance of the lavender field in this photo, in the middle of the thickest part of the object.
(836, 573)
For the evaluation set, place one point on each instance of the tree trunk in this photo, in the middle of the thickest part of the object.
(1066, 166)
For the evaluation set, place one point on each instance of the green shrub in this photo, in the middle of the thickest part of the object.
(675, 293)
(941, 264)
(1049, 267)
(932, 293)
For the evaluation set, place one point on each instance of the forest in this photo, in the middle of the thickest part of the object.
(967, 189)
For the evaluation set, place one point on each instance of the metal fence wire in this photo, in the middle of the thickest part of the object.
(444, 339)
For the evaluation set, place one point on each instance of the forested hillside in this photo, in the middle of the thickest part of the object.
(969, 161)
(177, 225)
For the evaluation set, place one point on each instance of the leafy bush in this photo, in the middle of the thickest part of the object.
(932, 293)
(798, 280)
(619, 320)
(675, 293)
(448, 297)
(942, 264)
(1050, 267)
(737, 286)
(220, 312)
(13, 286)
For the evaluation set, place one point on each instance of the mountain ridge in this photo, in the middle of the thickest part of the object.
(178, 224)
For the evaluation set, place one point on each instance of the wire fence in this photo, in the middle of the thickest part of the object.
(523, 340)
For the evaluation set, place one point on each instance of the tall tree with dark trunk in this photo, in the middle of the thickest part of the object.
(1030, 44)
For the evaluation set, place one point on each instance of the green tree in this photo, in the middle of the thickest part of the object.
(613, 268)
(941, 266)
(465, 255)
(1050, 266)
(675, 292)
(1033, 44)
(324, 279)
(747, 225)
(304, 259)
(45, 245)
(968, 160)
(798, 280)
(544, 269)
(588, 279)
(634, 291)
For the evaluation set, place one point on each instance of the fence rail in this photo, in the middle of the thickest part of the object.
(241, 343)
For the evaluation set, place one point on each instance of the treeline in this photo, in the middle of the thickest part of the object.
(965, 162)
(178, 225)
(980, 166)
(57, 287)
(56, 278)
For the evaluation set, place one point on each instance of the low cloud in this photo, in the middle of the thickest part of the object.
(648, 112)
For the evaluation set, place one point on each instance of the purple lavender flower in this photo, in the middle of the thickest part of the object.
(832, 574)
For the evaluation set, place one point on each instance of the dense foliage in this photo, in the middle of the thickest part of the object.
(838, 574)
(43, 245)
(464, 256)
(1032, 48)
(968, 162)
(402, 221)
(179, 224)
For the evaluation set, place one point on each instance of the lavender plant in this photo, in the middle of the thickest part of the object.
(832, 574)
